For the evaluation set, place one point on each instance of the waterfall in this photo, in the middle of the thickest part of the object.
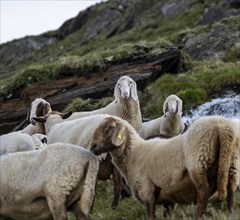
(227, 106)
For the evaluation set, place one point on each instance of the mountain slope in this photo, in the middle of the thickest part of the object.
(108, 39)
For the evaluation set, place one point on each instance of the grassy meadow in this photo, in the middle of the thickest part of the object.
(131, 209)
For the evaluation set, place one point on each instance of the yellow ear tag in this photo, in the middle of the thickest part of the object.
(119, 136)
(49, 110)
(37, 146)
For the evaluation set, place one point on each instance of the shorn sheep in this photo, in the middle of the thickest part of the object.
(47, 183)
(126, 104)
(183, 169)
(39, 107)
(80, 132)
(168, 125)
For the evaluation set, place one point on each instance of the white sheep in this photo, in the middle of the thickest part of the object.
(168, 125)
(126, 104)
(182, 169)
(40, 140)
(39, 107)
(16, 141)
(80, 132)
(48, 182)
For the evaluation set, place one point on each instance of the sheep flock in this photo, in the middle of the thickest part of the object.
(52, 166)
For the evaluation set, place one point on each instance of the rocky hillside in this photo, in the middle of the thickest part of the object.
(143, 39)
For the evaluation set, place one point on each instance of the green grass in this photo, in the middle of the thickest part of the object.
(131, 209)
(194, 87)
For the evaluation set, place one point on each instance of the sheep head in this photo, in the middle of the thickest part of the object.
(108, 136)
(173, 105)
(43, 119)
(126, 87)
(39, 107)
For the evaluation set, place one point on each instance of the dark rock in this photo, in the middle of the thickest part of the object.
(173, 7)
(212, 44)
(214, 14)
(17, 51)
(74, 24)
(104, 20)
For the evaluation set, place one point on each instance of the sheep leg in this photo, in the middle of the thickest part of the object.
(57, 208)
(168, 209)
(231, 188)
(79, 215)
(203, 191)
(117, 184)
(150, 210)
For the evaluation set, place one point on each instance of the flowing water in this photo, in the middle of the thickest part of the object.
(227, 106)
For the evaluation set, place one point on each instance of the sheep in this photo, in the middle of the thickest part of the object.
(40, 140)
(236, 122)
(168, 125)
(48, 183)
(39, 107)
(185, 168)
(79, 132)
(126, 104)
(16, 141)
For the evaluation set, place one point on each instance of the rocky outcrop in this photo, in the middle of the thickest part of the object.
(211, 44)
(21, 50)
(60, 92)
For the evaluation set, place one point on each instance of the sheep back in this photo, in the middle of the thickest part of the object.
(16, 141)
(49, 174)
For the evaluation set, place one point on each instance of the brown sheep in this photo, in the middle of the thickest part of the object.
(183, 169)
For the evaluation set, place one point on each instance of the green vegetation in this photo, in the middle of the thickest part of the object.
(32, 74)
(194, 87)
(131, 209)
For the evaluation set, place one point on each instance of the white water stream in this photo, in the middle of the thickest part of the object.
(228, 107)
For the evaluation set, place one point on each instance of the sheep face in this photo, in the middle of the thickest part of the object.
(108, 136)
(125, 88)
(173, 105)
(39, 107)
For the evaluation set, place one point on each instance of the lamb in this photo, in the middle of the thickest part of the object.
(79, 132)
(16, 141)
(168, 125)
(48, 183)
(185, 168)
(126, 104)
(39, 107)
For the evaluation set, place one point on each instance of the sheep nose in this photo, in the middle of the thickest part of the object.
(125, 94)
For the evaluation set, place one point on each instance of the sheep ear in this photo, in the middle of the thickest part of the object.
(39, 119)
(116, 92)
(118, 136)
(46, 109)
(165, 108)
(134, 91)
(180, 107)
(66, 115)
